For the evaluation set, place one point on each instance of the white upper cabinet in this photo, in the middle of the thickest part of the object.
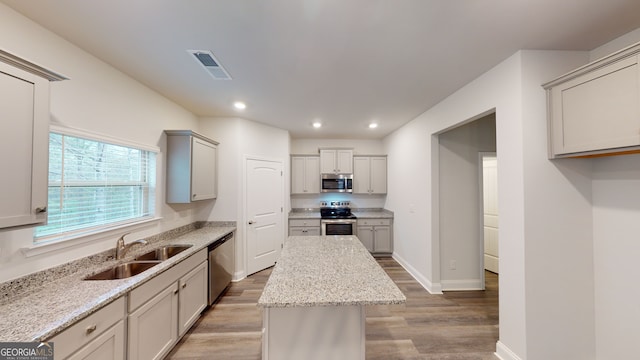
(596, 109)
(369, 174)
(305, 175)
(336, 161)
(24, 141)
(191, 167)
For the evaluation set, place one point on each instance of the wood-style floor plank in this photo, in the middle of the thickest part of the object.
(461, 325)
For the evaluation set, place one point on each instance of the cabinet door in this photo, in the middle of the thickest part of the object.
(203, 170)
(344, 161)
(312, 175)
(361, 175)
(108, 346)
(365, 234)
(297, 175)
(153, 328)
(598, 110)
(328, 161)
(193, 297)
(378, 175)
(382, 239)
(24, 134)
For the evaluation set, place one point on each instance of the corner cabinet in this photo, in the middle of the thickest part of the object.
(191, 167)
(305, 174)
(336, 161)
(370, 175)
(376, 235)
(24, 134)
(595, 110)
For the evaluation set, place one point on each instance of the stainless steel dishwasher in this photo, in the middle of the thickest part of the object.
(221, 265)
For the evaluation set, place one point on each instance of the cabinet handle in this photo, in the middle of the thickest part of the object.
(194, 195)
(184, 285)
(175, 292)
(42, 209)
(91, 329)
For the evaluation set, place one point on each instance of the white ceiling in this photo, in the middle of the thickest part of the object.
(344, 62)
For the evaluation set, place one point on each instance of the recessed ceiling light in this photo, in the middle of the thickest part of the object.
(317, 124)
(373, 126)
(239, 105)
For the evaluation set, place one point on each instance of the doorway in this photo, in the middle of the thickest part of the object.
(460, 218)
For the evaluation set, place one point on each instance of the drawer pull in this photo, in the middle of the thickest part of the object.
(184, 285)
(91, 329)
(175, 292)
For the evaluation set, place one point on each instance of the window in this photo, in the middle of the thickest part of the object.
(96, 185)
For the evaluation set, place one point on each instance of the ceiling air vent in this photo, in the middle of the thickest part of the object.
(206, 59)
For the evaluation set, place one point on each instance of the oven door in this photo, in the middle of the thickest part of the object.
(338, 227)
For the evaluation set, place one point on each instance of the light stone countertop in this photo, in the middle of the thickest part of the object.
(328, 271)
(359, 213)
(49, 309)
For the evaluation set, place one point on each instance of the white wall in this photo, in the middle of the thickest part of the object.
(239, 139)
(460, 196)
(519, 103)
(616, 236)
(100, 99)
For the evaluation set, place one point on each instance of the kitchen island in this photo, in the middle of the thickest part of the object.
(313, 303)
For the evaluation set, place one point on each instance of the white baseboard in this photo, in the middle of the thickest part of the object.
(460, 285)
(504, 353)
(432, 288)
(238, 276)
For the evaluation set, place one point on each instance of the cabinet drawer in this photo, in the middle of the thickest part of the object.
(374, 222)
(304, 231)
(304, 222)
(88, 329)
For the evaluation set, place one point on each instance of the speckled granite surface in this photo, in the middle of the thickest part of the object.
(359, 213)
(50, 301)
(328, 271)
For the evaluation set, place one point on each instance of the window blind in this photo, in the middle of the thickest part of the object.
(95, 185)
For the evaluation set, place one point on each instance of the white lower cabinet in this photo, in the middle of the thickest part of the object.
(153, 328)
(163, 309)
(376, 235)
(304, 227)
(98, 336)
(192, 297)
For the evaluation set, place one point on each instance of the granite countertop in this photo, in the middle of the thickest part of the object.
(328, 271)
(47, 310)
(359, 213)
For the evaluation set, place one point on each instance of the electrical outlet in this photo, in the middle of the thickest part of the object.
(452, 264)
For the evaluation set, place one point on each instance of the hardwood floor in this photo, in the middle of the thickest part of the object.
(460, 325)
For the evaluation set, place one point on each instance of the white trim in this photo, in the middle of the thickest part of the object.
(504, 353)
(432, 288)
(63, 242)
(460, 285)
(71, 131)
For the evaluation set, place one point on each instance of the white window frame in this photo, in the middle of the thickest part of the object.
(60, 241)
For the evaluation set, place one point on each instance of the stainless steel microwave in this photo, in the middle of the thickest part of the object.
(336, 183)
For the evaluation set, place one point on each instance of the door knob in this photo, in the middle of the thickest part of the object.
(251, 222)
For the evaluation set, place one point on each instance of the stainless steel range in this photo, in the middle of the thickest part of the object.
(336, 218)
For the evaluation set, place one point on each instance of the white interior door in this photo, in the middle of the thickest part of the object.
(490, 213)
(264, 213)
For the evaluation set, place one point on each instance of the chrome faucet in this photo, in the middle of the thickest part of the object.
(121, 248)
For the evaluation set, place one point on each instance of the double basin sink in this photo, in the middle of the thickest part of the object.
(141, 263)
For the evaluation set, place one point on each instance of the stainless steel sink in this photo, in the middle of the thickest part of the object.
(163, 253)
(124, 270)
